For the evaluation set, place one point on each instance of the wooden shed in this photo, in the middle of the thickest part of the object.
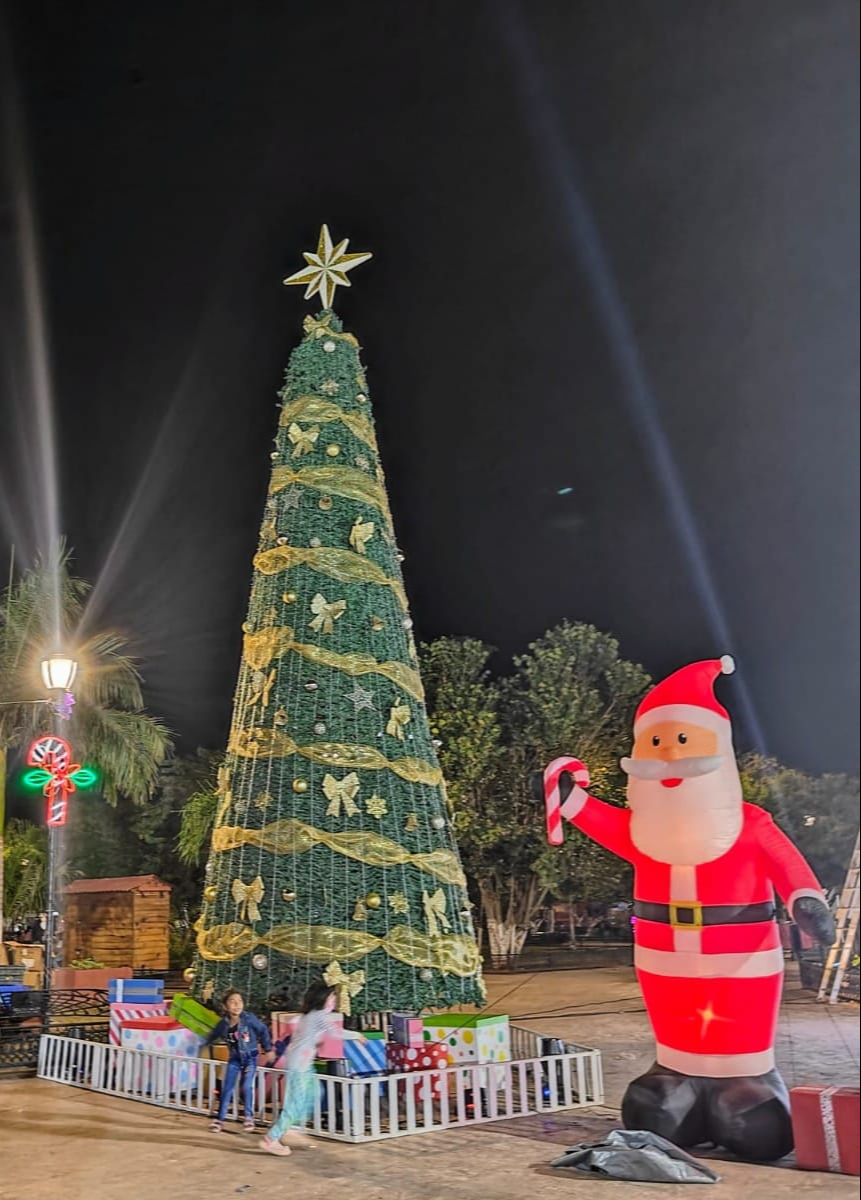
(121, 922)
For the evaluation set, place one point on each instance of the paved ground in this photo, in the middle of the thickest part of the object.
(58, 1143)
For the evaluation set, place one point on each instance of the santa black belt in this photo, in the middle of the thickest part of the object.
(695, 916)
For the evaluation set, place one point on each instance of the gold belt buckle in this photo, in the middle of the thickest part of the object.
(690, 906)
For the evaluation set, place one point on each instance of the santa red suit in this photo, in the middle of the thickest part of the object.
(707, 948)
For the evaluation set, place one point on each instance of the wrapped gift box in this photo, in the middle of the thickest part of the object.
(429, 1057)
(136, 991)
(161, 1035)
(473, 1039)
(407, 1029)
(368, 1058)
(283, 1024)
(130, 1012)
(192, 1015)
(825, 1125)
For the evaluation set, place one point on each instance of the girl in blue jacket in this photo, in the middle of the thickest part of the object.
(244, 1034)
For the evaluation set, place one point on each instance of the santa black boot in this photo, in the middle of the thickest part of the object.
(669, 1104)
(749, 1116)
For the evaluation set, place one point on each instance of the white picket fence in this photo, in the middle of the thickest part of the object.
(346, 1109)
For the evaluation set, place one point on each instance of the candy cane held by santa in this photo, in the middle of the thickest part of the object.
(554, 809)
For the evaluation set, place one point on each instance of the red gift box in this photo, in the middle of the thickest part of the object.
(825, 1125)
(432, 1056)
(158, 1022)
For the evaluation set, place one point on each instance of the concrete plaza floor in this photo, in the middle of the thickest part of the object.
(59, 1143)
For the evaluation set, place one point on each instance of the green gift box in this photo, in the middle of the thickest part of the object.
(192, 1015)
(471, 1037)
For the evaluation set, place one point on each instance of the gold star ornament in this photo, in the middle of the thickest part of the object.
(327, 269)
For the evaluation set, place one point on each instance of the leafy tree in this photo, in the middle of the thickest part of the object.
(571, 693)
(25, 874)
(820, 813)
(44, 607)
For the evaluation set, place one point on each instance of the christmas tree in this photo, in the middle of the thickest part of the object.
(333, 854)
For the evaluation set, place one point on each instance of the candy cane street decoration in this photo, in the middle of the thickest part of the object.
(56, 774)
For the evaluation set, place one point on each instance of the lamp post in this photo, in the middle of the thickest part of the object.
(58, 675)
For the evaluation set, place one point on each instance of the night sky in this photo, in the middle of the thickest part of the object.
(601, 232)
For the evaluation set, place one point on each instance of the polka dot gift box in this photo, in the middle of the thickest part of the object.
(429, 1057)
(472, 1039)
(163, 1035)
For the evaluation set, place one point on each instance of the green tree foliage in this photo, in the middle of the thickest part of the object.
(570, 694)
(40, 610)
(25, 874)
(135, 840)
(820, 813)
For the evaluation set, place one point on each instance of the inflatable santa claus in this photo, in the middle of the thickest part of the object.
(707, 948)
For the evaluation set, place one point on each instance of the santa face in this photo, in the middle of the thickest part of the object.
(684, 792)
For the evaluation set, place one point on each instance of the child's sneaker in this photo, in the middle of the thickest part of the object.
(273, 1147)
(216, 1127)
(248, 1125)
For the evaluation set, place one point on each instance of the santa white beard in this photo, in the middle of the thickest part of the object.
(695, 822)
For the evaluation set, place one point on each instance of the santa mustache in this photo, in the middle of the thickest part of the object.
(680, 768)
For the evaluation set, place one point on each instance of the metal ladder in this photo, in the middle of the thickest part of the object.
(840, 953)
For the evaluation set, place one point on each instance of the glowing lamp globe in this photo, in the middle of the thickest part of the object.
(58, 673)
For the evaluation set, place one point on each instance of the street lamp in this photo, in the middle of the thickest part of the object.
(58, 675)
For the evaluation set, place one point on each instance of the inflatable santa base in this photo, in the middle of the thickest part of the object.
(707, 950)
(746, 1114)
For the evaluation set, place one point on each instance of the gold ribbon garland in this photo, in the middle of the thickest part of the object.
(248, 896)
(275, 641)
(345, 566)
(449, 953)
(435, 915)
(317, 328)
(258, 742)
(312, 408)
(341, 792)
(348, 482)
(346, 986)
(326, 613)
(292, 836)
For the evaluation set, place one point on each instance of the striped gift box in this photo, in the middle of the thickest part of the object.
(367, 1058)
(130, 1012)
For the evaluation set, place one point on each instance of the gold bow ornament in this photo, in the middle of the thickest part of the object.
(399, 717)
(262, 684)
(303, 440)
(326, 613)
(360, 534)
(434, 907)
(341, 792)
(346, 986)
(248, 897)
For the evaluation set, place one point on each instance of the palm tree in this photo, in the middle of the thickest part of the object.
(40, 611)
(26, 869)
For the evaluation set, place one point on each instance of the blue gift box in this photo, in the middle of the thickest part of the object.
(366, 1058)
(6, 990)
(136, 991)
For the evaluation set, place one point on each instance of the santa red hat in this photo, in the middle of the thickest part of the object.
(688, 695)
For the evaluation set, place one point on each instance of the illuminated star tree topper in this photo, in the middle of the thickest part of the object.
(327, 269)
